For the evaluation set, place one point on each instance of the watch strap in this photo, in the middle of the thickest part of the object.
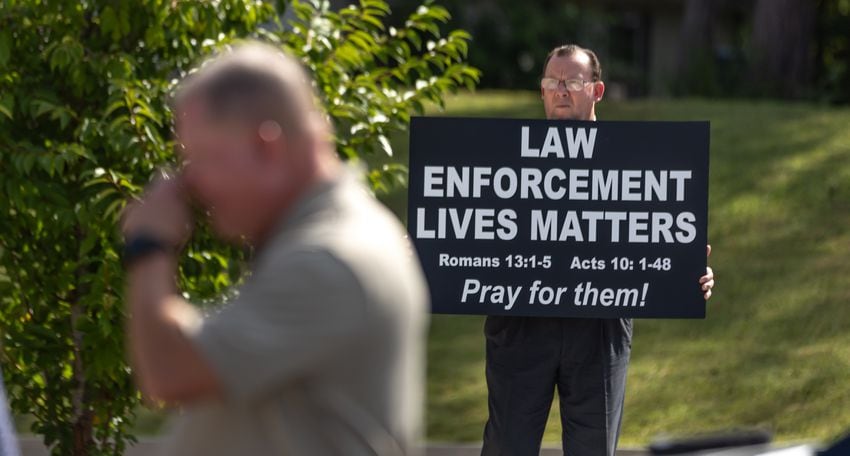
(139, 246)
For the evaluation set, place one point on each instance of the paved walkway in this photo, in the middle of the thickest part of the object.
(31, 446)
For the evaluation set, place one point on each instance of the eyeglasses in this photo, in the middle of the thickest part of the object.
(573, 85)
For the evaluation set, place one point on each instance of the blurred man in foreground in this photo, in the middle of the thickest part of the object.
(586, 359)
(321, 352)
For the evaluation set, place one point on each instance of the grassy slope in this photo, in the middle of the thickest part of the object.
(775, 349)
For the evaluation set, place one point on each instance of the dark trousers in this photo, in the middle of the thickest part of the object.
(529, 357)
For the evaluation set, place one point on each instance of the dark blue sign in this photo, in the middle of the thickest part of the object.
(560, 218)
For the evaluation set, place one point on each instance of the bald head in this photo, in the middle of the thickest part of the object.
(254, 139)
(254, 83)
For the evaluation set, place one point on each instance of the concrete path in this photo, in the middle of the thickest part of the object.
(31, 446)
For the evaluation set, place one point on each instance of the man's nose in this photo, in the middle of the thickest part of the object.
(562, 87)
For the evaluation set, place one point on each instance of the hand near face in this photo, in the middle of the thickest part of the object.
(163, 212)
(706, 282)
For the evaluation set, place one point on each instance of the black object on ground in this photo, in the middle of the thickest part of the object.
(713, 441)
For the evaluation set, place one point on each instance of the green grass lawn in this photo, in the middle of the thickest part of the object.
(775, 349)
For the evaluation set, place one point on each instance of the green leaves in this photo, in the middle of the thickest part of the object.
(114, 23)
(7, 105)
(64, 53)
(5, 47)
(62, 114)
(83, 124)
(372, 78)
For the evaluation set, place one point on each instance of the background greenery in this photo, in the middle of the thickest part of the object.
(775, 349)
(82, 89)
(787, 49)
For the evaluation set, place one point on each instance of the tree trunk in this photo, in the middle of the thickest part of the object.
(782, 46)
(696, 33)
(83, 415)
(695, 59)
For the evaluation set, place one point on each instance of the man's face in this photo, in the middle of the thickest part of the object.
(565, 104)
(228, 172)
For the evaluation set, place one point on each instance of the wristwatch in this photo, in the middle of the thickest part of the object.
(140, 245)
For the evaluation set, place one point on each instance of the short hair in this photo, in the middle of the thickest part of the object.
(252, 83)
(570, 49)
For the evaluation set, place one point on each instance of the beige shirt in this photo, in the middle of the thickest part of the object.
(322, 351)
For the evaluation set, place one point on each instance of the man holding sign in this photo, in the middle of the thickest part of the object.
(586, 359)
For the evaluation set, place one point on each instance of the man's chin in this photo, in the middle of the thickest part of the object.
(563, 113)
(568, 114)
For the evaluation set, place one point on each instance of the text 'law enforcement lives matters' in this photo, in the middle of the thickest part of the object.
(560, 218)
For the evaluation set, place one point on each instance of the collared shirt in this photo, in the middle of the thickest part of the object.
(321, 353)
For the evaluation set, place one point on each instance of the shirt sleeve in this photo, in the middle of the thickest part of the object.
(292, 317)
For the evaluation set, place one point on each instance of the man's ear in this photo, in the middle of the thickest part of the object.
(272, 141)
(598, 91)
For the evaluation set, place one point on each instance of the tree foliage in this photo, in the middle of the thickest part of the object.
(83, 125)
(373, 77)
(512, 38)
(833, 50)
